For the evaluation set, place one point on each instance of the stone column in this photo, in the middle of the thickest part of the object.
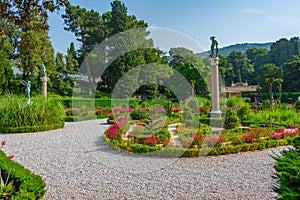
(215, 111)
(44, 86)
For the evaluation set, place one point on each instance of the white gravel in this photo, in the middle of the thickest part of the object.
(76, 164)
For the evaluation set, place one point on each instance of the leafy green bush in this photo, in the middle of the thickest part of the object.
(231, 120)
(288, 173)
(139, 115)
(235, 101)
(16, 113)
(243, 112)
(27, 185)
(297, 105)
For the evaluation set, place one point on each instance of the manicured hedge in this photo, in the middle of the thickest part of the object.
(28, 129)
(68, 102)
(195, 152)
(28, 185)
(287, 97)
(214, 122)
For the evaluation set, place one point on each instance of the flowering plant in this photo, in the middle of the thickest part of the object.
(213, 141)
(151, 141)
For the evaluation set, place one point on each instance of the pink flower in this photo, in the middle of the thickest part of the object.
(150, 140)
(249, 138)
(111, 132)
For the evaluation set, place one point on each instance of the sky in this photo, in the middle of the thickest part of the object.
(231, 21)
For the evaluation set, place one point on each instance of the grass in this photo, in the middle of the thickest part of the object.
(15, 112)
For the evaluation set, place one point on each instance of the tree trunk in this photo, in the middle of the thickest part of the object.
(155, 90)
(270, 92)
(280, 91)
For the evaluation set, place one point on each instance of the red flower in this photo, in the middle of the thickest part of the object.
(11, 156)
(111, 132)
(3, 143)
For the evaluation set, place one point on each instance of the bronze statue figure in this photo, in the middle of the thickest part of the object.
(214, 47)
(27, 89)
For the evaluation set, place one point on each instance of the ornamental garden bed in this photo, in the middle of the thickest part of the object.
(40, 115)
(195, 137)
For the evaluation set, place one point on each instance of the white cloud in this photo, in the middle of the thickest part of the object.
(252, 11)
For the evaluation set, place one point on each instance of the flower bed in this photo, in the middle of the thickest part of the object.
(204, 143)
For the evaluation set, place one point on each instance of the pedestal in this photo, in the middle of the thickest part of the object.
(44, 86)
(215, 111)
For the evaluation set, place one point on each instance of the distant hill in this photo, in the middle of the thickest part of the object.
(225, 51)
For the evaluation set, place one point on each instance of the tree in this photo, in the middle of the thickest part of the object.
(191, 67)
(240, 62)
(291, 74)
(270, 74)
(87, 25)
(5, 63)
(283, 50)
(64, 80)
(31, 43)
(226, 71)
(257, 57)
(71, 51)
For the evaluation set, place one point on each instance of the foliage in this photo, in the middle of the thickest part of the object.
(65, 67)
(297, 105)
(243, 112)
(291, 73)
(288, 172)
(231, 120)
(6, 73)
(235, 102)
(27, 185)
(17, 113)
(192, 68)
(278, 116)
(239, 63)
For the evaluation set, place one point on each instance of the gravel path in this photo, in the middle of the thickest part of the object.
(76, 164)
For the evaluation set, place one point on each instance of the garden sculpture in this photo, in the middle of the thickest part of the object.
(44, 71)
(214, 47)
(27, 89)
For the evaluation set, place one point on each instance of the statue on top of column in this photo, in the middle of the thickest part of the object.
(214, 47)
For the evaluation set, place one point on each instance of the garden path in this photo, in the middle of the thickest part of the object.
(76, 164)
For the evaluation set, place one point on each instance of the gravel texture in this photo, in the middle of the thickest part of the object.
(76, 164)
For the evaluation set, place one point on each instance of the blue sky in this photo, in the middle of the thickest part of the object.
(231, 21)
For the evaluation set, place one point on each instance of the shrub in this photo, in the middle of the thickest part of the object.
(235, 102)
(243, 112)
(288, 172)
(231, 120)
(187, 114)
(16, 113)
(27, 185)
(139, 115)
(297, 105)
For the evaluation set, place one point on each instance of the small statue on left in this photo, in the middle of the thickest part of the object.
(44, 71)
(27, 89)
